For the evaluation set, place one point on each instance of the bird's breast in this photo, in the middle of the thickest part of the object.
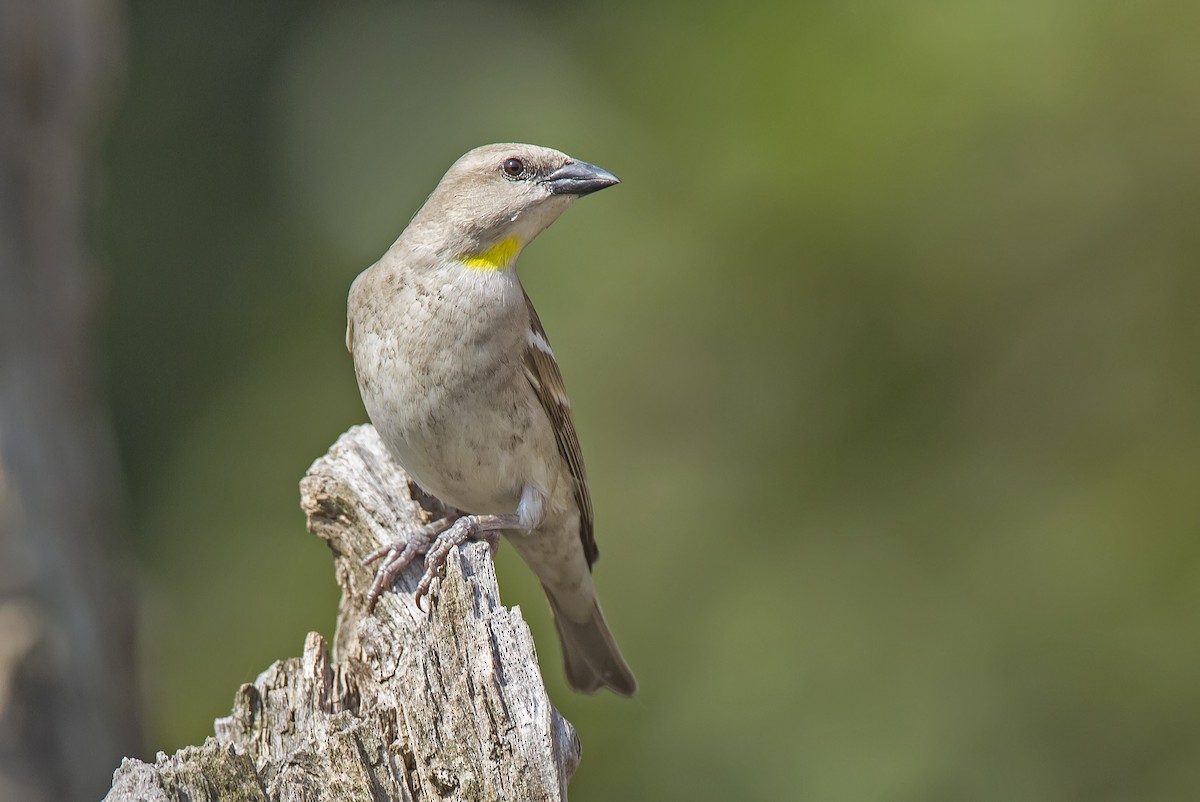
(439, 366)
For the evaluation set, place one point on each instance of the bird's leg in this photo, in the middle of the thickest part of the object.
(469, 527)
(487, 528)
(529, 515)
(435, 540)
(397, 556)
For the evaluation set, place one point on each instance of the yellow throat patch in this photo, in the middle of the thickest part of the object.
(498, 257)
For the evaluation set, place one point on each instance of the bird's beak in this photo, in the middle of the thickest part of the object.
(578, 178)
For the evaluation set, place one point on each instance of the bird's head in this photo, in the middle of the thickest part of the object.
(494, 200)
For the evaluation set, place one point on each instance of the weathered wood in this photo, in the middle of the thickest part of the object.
(447, 704)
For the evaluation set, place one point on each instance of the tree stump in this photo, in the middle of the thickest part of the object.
(444, 705)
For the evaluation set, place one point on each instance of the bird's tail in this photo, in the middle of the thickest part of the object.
(590, 653)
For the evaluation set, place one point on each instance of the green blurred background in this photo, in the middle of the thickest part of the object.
(883, 356)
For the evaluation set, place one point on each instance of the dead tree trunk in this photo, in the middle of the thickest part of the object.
(411, 706)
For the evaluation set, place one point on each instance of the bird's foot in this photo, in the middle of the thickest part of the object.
(434, 540)
(468, 527)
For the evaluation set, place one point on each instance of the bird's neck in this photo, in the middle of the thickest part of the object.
(500, 256)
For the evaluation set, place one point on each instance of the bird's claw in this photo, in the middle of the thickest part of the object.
(434, 541)
(397, 556)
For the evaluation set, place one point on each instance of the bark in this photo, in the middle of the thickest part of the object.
(411, 705)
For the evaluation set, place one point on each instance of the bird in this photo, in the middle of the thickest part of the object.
(458, 377)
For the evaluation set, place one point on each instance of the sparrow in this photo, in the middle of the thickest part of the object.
(458, 377)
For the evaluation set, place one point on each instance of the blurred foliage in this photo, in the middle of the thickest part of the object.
(883, 357)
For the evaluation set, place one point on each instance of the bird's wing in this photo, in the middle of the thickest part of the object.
(542, 371)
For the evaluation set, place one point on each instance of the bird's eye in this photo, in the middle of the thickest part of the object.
(513, 167)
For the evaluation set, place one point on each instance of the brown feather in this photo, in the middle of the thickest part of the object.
(547, 382)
